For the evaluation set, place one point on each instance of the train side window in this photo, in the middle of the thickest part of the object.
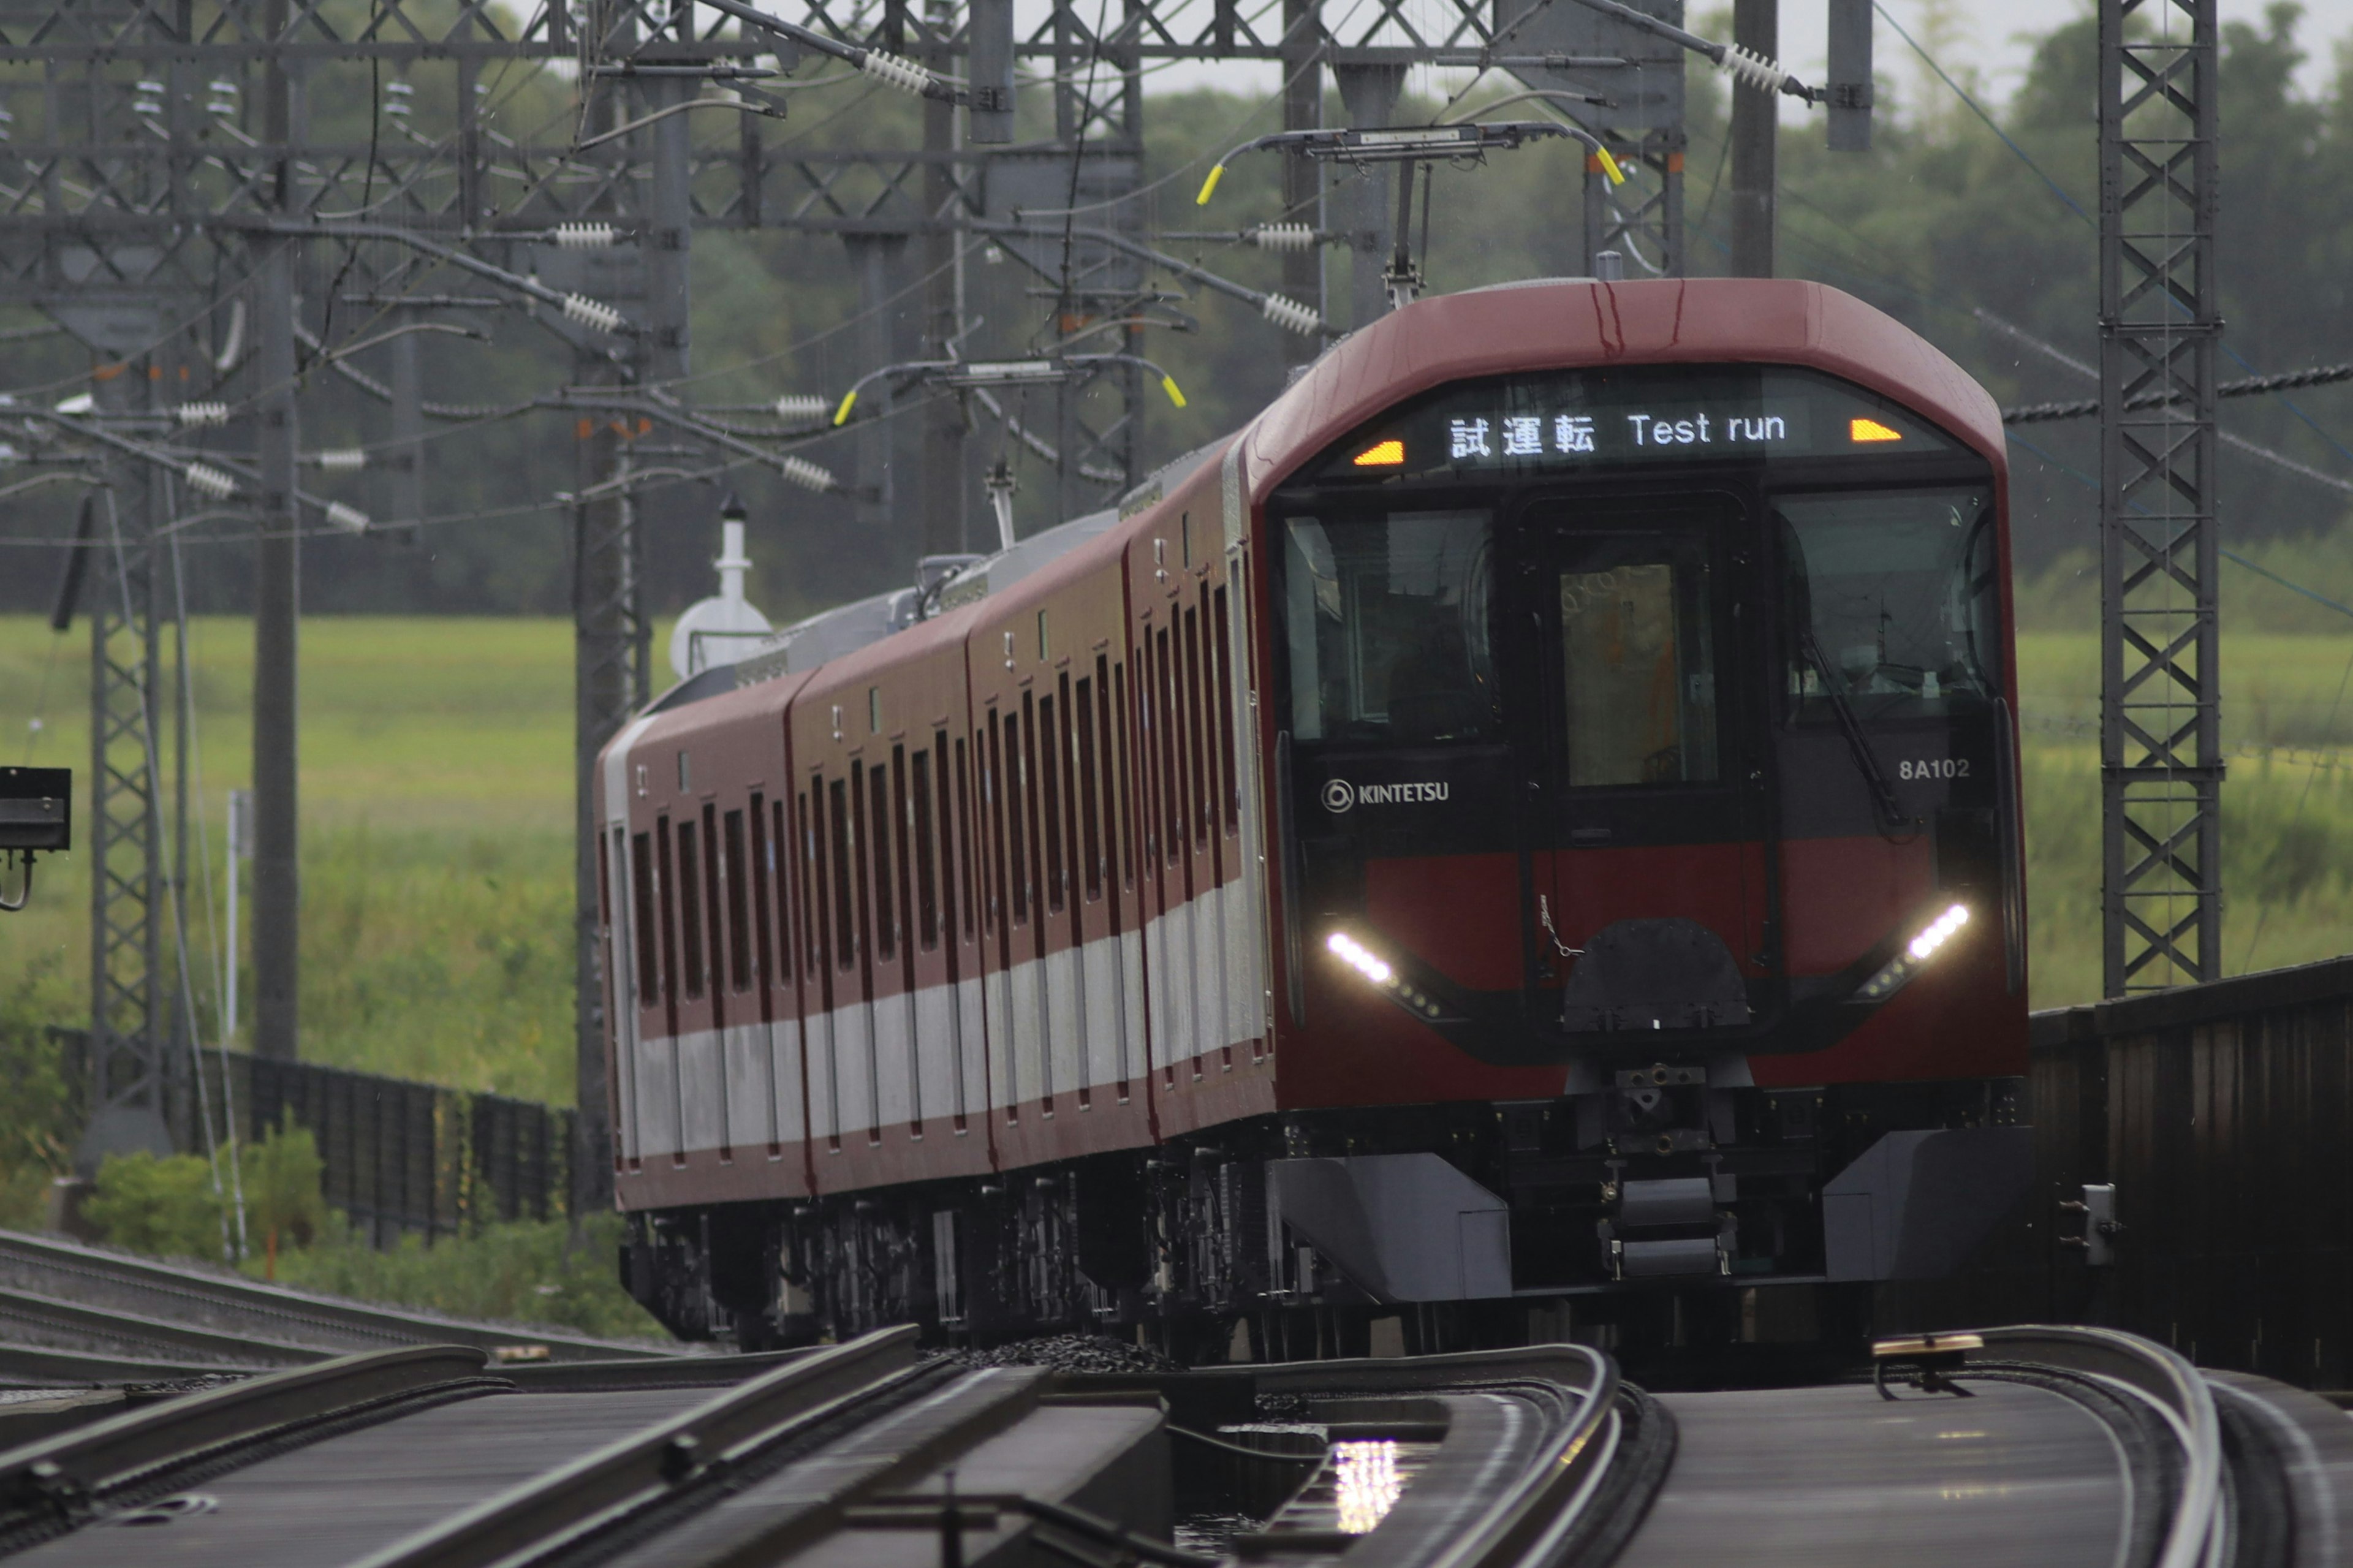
(811, 877)
(927, 884)
(779, 867)
(962, 836)
(1049, 794)
(1032, 873)
(641, 900)
(845, 930)
(665, 883)
(1221, 647)
(764, 873)
(1196, 731)
(1016, 844)
(715, 976)
(739, 906)
(900, 823)
(876, 831)
(1172, 810)
(1117, 729)
(690, 899)
(1090, 822)
(992, 804)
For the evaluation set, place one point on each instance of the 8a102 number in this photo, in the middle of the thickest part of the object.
(1933, 768)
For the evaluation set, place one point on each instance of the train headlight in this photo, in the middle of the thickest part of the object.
(1379, 972)
(1914, 954)
(1361, 959)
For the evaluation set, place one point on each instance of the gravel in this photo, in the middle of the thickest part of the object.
(1070, 1352)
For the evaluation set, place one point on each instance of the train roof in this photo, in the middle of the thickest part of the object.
(1555, 323)
(1569, 323)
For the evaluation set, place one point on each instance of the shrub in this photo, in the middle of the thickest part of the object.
(526, 1272)
(162, 1207)
(285, 1202)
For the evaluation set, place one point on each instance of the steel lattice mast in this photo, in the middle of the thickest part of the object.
(2160, 322)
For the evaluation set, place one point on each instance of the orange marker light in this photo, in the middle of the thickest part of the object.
(1871, 430)
(1381, 455)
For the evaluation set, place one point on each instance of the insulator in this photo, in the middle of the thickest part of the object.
(210, 482)
(591, 312)
(1286, 236)
(1290, 314)
(7, 124)
(148, 99)
(193, 415)
(893, 71)
(807, 475)
(348, 518)
(586, 235)
(803, 407)
(399, 99)
(340, 460)
(1752, 69)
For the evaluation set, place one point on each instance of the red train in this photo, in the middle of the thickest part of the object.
(1531, 819)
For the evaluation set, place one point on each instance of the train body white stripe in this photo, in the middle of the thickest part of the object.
(657, 1076)
(1077, 1017)
(1062, 1021)
(971, 1090)
(745, 1103)
(785, 1051)
(824, 1092)
(894, 1054)
(1027, 1017)
(936, 1034)
(701, 1089)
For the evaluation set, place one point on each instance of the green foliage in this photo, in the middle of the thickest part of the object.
(163, 1206)
(36, 1134)
(285, 1204)
(522, 1272)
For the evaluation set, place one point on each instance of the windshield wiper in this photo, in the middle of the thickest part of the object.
(1883, 793)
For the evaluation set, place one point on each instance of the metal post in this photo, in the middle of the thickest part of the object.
(879, 262)
(944, 485)
(2160, 713)
(606, 613)
(276, 882)
(1369, 94)
(1757, 27)
(1303, 182)
(128, 1032)
(407, 460)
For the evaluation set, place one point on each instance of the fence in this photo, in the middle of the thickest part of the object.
(2222, 1115)
(401, 1157)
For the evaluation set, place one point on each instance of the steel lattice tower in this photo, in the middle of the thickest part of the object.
(2160, 322)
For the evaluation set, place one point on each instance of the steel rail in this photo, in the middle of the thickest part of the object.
(104, 1329)
(26, 1260)
(2198, 1534)
(1539, 1513)
(64, 1480)
(602, 1488)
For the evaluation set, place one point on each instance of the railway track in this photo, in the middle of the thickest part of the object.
(70, 1313)
(2031, 1445)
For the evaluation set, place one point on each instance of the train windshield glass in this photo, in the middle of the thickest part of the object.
(1893, 601)
(1386, 618)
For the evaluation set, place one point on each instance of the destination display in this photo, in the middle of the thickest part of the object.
(1650, 413)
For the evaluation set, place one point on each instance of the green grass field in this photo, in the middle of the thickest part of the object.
(437, 803)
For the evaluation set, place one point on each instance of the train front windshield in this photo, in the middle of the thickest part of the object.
(1411, 555)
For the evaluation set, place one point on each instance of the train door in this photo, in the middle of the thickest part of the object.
(1642, 826)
